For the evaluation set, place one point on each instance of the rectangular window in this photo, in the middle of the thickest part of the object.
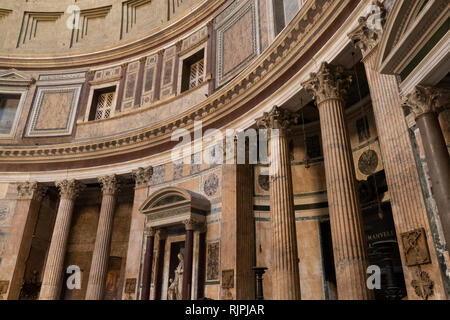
(9, 103)
(193, 71)
(102, 104)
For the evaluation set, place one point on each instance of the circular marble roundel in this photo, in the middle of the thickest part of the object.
(368, 162)
(211, 185)
(263, 181)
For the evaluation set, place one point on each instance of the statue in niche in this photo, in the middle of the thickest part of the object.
(176, 284)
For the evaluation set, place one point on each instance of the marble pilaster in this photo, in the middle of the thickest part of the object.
(406, 195)
(12, 267)
(142, 178)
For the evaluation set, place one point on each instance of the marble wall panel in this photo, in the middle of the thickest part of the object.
(236, 40)
(54, 111)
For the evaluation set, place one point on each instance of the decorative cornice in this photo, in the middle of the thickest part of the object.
(277, 118)
(370, 28)
(110, 184)
(292, 44)
(422, 100)
(31, 190)
(69, 189)
(142, 176)
(330, 82)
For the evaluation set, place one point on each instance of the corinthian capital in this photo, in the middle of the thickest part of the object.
(330, 82)
(69, 189)
(370, 28)
(31, 190)
(277, 118)
(422, 100)
(110, 184)
(142, 176)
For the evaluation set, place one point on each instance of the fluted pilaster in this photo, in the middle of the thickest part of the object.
(285, 270)
(328, 87)
(100, 256)
(51, 283)
(407, 200)
(142, 177)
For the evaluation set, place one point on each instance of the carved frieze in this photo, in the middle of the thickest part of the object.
(423, 285)
(415, 247)
(130, 286)
(4, 284)
(212, 265)
(228, 279)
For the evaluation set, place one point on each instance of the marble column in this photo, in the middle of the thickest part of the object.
(162, 235)
(402, 177)
(100, 256)
(190, 225)
(53, 272)
(328, 86)
(148, 264)
(424, 101)
(142, 178)
(20, 235)
(284, 256)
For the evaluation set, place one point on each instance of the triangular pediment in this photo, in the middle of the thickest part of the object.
(15, 77)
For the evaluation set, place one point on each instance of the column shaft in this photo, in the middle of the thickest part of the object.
(438, 161)
(285, 271)
(100, 256)
(159, 267)
(347, 231)
(187, 272)
(53, 274)
(284, 259)
(148, 267)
